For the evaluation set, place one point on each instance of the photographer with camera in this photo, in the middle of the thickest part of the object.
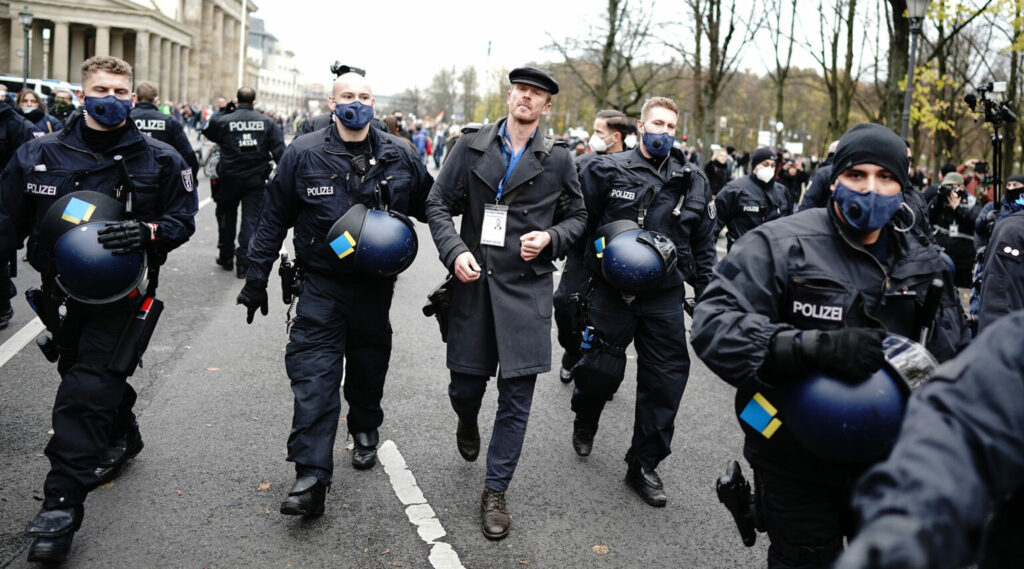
(952, 212)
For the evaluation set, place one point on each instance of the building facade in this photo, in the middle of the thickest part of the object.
(192, 54)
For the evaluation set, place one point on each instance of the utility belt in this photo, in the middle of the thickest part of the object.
(63, 316)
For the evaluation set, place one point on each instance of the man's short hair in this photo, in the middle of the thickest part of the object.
(107, 63)
(663, 102)
(618, 121)
(146, 92)
(246, 95)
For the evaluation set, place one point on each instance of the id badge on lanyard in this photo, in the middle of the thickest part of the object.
(495, 220)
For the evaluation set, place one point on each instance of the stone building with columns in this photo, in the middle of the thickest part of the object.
(191, 53)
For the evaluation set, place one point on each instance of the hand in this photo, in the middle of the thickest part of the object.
(954, 199)
(129, 236)
(253, 296)
(533, 243)
(889, 542)
(466, 268)
(851, 354)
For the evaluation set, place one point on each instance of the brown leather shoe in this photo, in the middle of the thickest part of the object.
(467, 439)
(494, 516)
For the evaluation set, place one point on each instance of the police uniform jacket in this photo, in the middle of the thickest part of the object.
(15, 130)
(162, 127)
(960, 456)
(982, 230)
(248, 141)
(624, 186)
(1002, 280)
(746, 203)
(315, 184)
(162, 190)
(805, 273)
(519, 292)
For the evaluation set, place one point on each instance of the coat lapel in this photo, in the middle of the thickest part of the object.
(529, 165)
(490, 167)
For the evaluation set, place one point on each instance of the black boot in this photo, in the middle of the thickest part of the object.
(306, 497)
(226, 262)
(494, 517)
(116, 456)
(6, 313)
(647, 485)
(53, 531)
(364, 451)
(583, 437)
(241, 268)
(467, 440)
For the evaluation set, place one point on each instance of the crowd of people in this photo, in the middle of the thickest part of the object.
(827, 265)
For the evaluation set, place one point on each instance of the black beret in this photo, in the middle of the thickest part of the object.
(535, 77)
(760, 155)
(869, 143)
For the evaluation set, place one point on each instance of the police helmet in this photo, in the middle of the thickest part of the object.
(92, 274)
(631, 259)
(856, 423)
(75, 209)
(372, 242)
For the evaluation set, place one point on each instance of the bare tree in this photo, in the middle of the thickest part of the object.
(836, 34)
(611, 62)
(442, 94)
(782, 48)
(469, 97)
(714, 54)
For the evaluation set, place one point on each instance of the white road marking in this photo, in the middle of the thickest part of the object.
(15, 343)
(419, 512)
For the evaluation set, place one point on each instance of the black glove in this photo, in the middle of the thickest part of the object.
(129, 236)
(889, 542)
(253, 296)
(850, 354)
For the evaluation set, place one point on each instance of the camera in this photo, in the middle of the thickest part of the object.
(945, 191)
(981, 167)
(996, 113)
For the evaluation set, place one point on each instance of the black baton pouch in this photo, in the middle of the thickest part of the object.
(135, 339)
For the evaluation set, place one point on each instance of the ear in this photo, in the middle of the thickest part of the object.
(547, 108)
(331, 104)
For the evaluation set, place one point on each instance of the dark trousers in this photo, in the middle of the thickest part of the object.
(93, 405)
(806, 517)
(655, 322)
(336, 324)
(515, 396)
(229, 194)
(574, 276)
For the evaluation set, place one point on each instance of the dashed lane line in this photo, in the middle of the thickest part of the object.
(419, 512)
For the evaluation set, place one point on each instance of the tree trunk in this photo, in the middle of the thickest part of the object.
(899, 48)
(1010, 137)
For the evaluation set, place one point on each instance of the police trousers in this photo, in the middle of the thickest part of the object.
(341, 330)
(515, 397)
(655, 322)
(228, 195)
(93, 405)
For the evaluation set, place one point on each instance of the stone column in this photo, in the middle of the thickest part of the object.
(5, 45)
(183, 81)
(154, 59)
(60, 51)
(36, 63)
(141, 56)
(165, 69)
(117, 43)
(77, 54)
(17, 46)
(218, 53)
(204, 67)
(174, 89)
(102, 40)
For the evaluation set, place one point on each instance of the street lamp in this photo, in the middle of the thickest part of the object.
(915, 11)
(25, 17)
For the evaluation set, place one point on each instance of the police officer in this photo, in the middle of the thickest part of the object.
(249, 141)
(323, 121)
(818, 291)
(15, 130)
(162, 127)
(745, 203)
(1009, 203)
(654, 186)
(1002, 276)
(507, 180)
(950, 493)
(93, 423)
(341, 316)
(611, 127)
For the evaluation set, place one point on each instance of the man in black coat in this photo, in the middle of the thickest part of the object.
(249, 142)
(521, 207)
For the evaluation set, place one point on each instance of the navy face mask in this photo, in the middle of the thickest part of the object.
(354, 115)
(109, 110)
(866, 211)
(658, 144)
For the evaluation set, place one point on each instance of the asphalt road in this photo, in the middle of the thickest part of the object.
(215, 408)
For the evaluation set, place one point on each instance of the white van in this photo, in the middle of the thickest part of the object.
(45, 87)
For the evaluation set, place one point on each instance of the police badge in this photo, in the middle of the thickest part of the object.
(186, 179)
(711, 210)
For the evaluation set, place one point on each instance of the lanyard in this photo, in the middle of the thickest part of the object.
(511, 163)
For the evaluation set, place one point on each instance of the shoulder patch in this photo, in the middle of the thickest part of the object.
(186, 179)
(712, 212)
